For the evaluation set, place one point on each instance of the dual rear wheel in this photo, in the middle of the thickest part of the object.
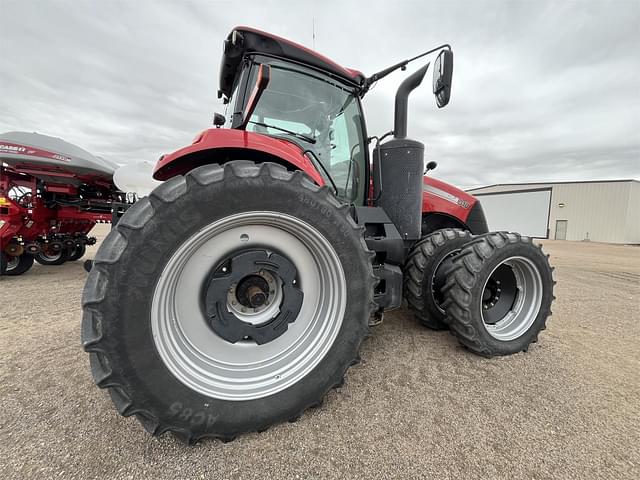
(493, 292)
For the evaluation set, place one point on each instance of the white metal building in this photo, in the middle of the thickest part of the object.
(600, 211)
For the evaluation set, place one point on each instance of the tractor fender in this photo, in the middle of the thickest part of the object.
(452, 207)
(219, 145)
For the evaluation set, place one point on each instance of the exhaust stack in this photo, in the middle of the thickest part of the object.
(398, 166)
(402, 101)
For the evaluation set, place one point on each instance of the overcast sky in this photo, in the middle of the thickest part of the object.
(541, 91)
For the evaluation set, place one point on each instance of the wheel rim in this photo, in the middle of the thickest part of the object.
(207, 363)
(50, 257)
(511, 298)
(12, 263)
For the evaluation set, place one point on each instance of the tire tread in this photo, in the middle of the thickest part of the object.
(109, 256)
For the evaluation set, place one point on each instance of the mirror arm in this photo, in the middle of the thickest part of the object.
(400, 65)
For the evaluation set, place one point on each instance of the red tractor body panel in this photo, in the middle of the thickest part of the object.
(440, 197)
(214, 144)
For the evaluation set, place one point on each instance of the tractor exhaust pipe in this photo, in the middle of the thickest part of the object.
(402, 101)
(399, 164)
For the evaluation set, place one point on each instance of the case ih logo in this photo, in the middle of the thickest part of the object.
(12, 148)
(17, 149)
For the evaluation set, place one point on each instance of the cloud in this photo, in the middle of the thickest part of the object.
(542, 90)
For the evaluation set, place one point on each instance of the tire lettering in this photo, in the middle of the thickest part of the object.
(175, 408)
(187, 414)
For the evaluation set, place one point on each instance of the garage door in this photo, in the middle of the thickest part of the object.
(524, 212)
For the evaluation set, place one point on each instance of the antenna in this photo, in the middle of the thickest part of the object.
(313, 32)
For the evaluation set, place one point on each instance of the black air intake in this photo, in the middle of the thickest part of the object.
(398, 169)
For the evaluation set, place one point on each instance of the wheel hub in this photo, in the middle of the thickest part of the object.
(14, 249)
(253, 290)
(499, 294)
(252, 296)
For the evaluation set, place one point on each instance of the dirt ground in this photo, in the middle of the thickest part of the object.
(419, 406)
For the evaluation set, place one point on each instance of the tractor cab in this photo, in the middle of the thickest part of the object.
(274, 87)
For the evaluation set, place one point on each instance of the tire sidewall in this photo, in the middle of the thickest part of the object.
(434, 262)
(129, 297)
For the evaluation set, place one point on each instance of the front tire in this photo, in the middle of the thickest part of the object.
(498, 294)
(171, 278)
(424, 274)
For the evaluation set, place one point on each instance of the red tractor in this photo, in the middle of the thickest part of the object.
(239, 292)
(52, 193)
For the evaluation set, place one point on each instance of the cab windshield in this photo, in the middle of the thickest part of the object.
(319, 114)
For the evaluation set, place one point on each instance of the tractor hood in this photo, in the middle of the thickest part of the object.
(437, 188)
(444, 199)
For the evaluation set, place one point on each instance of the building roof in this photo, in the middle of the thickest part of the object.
(550, 183)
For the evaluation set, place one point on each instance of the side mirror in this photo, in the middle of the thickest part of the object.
(218, 119)
(262, 80)
(431, 166)
(442, 73)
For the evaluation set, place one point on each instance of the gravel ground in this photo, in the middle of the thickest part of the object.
(418, 406)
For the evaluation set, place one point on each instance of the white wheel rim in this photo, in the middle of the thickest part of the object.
(210, 365)
(526, 305)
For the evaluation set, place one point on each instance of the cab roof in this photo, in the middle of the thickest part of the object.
(247, 40)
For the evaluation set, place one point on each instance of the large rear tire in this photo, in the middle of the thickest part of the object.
(498, 294)
(424, 274)
(230, 299)
(13, 266)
